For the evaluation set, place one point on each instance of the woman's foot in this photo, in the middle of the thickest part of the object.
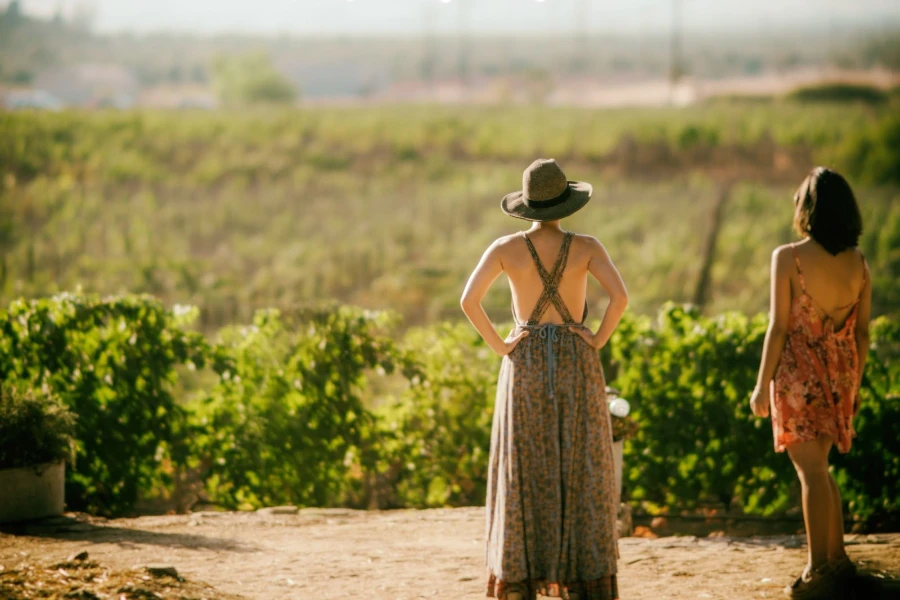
(843, 567)
(813, 584)
(517, 591)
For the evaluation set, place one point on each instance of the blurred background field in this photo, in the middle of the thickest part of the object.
(389, 208)
(275, 169)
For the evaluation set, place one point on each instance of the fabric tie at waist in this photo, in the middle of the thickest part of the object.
(550, 332)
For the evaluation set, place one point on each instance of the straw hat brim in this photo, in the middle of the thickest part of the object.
(579, 193)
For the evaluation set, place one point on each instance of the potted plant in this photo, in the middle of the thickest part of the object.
(623, 426)
(35, 441)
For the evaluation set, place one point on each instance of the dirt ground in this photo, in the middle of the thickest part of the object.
(315, 554)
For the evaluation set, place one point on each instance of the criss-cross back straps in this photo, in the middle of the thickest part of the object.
(551, 280)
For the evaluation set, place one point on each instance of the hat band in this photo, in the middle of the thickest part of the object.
(549, 203)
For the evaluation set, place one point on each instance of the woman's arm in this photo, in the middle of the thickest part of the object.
(861, 333)
(485, 273)
(605, 272)
(779, 314)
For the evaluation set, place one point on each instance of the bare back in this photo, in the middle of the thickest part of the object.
(525, 279)
(833, 283)
(531, 261)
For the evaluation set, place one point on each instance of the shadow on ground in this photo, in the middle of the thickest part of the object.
(868, 587)
(82, 529)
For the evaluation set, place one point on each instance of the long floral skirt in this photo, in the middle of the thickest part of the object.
(551, 496)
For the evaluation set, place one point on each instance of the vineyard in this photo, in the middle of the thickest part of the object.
(248, 309)
(331, 407)
(389, 208)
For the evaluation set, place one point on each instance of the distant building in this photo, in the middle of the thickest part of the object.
(91, 85)
(173, 96)
(336, 79)
(20, 99)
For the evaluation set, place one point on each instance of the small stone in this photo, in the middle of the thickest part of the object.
(83, 555)
(162, 571)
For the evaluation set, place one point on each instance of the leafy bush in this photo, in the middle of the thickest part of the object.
(113, 364)
(873, 153)
(323, 407)
(35, 428)
(690, 378)
(288, 424)
(251, 79)
(869, 475)
(839, 92)
(437, 432)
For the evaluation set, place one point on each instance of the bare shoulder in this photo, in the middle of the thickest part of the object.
(589, 245)
(783, 258)
(506, 242)
(503, 246)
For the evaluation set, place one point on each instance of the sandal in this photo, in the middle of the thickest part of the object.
(517, 591)
(813, 584)
(843, 567)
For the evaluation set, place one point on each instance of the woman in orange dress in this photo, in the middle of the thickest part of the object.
(813, 359)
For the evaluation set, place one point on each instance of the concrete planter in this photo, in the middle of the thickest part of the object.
(32, 492)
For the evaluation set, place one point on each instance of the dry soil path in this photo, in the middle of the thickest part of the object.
(394, 555)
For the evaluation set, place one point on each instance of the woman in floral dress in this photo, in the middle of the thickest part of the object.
(551, 498)
(813, 359)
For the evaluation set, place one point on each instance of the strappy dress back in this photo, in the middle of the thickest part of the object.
(816, 381)
(551, 496)
(551, 281)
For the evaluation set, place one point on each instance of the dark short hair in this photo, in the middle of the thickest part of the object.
(827, 211)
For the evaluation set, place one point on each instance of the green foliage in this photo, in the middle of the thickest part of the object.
(251, 79)
(689, 379)
(437, 432)
(288, 424)
(873, 153)
(233, 211)
(869, 475)
(113, 364)
(839, 92)
(323, 407)
(35, 428)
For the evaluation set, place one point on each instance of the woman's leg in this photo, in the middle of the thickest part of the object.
(836, 530)
(811, 462)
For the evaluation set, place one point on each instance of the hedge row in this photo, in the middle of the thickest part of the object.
(329, 407)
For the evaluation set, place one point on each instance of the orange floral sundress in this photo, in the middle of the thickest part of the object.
(816, 382)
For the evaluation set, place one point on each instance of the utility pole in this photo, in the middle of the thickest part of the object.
(429, 37)
(582, 29)
(463, 15)
(675, 62)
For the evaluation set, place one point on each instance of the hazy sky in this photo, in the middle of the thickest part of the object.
(409, 17)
